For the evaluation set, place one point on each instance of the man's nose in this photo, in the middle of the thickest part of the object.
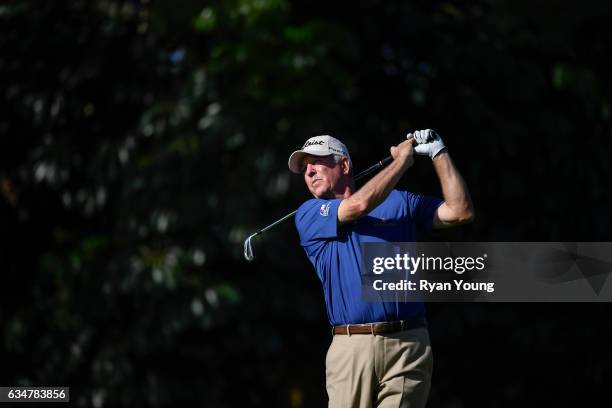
(310, 169)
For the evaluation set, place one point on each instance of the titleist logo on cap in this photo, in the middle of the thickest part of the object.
(313, 142)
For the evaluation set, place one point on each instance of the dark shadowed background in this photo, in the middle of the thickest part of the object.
(142, 141)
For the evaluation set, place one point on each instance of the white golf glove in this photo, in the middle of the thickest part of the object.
(429, 142)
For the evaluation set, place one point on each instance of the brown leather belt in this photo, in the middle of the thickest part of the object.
(380, 327)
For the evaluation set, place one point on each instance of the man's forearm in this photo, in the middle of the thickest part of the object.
(458, 204)
(374, 192)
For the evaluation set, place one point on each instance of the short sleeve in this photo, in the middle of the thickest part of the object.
(317, 219)
(422, 208)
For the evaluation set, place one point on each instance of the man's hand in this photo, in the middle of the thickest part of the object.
(429, 142)
(404, 151)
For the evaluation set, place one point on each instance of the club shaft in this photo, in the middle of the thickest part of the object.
(264, 229)
(374, 167)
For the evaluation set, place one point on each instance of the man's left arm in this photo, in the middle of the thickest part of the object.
(457, 208)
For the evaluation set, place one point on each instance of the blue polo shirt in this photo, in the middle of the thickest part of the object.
(335, 251)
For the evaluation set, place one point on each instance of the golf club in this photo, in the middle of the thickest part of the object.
(248, 248)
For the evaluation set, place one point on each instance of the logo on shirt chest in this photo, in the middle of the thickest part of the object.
(324, 210)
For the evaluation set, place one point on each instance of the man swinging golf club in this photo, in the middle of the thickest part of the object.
(380, 355)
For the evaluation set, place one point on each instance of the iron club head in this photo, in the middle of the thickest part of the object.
(248, 248)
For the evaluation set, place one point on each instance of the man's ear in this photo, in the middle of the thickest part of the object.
(346, 167)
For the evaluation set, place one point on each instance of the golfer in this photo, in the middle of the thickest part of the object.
(380, 355)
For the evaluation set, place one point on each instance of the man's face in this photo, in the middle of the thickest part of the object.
(322, 175)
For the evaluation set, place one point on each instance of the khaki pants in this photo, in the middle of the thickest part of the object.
(391, 370)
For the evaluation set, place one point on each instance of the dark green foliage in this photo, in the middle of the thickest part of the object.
(142, 142)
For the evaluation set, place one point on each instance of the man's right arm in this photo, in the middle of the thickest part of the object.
(376, 190)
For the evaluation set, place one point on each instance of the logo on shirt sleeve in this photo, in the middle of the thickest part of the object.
(324, 210)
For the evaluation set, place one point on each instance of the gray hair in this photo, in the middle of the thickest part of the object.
(338, 158)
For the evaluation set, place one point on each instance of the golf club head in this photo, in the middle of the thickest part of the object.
(248, 248)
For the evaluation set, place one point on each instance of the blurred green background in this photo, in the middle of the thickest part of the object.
(142, 141)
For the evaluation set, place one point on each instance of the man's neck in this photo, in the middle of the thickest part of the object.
(347, 191)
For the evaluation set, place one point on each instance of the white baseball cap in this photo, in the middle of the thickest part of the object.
(322, 145)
